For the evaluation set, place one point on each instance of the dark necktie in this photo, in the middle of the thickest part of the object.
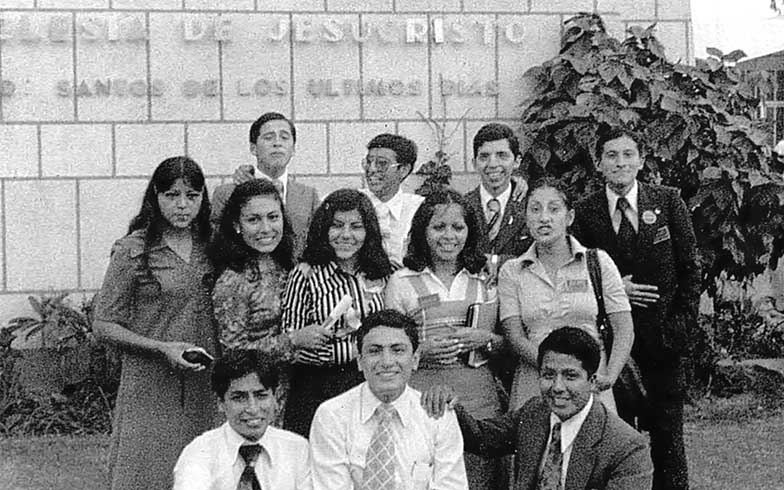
(493, 218)
(248, 480)
(550, 479)
(626, 233)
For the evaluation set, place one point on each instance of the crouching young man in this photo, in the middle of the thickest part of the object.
(564, 439)
(377, 436)
(245, 453)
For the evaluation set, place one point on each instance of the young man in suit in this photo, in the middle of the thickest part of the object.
(496, 200)
(272, 141)
(565, 439)
(647, 231)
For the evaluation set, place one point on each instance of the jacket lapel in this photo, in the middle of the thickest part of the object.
(530, 448)
(581, 462)
(605, 234)
(508, 225)
(295, 204)
(645, 202)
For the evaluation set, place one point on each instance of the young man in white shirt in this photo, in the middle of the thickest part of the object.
(377, 435)
(390, 159)
(566, 438)
(246, 447)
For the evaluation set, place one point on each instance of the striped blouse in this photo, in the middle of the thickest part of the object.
(311, 294)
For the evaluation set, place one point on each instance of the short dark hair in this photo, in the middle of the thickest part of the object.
(237, 363)
(495, 132)
(575, 342)
(558, 185)
(371, 258)
(229, 250)
(609, 134)
(418, 255)
(392, 319)
(255, 128)
(405, 149)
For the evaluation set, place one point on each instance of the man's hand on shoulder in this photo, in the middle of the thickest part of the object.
(436, 399)
(242, 174)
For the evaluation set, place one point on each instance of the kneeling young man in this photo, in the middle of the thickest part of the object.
(245, 453)
(564, 439)
(377, 435)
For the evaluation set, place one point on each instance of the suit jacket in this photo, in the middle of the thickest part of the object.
(512, 239)
(665, 255)
(301, 203)
(606, 454)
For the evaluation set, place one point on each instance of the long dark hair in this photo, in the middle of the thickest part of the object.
(418, 255)
(151, 220)
(229, 250)
(371, 258)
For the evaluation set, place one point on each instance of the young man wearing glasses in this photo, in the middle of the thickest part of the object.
(390, 159)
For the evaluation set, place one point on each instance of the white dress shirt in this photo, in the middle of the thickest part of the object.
(569, 430)
(394, 219)
(283, 180)
(502, 199)
(631, 213)
(212, 461)
(428, 452)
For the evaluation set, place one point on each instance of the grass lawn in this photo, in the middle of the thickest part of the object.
(723, 454)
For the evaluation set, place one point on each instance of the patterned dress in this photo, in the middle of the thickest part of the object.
(248, 311)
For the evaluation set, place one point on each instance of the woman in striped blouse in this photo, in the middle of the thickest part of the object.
(343, 264)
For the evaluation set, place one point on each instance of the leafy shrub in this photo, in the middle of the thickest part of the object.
(697, 133)
(86, 403)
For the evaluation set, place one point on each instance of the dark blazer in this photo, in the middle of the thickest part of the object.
(512, 239)
(301, 203)
(665, 255)
(607, 453)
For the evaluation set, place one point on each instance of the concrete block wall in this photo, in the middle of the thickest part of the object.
(76, 156)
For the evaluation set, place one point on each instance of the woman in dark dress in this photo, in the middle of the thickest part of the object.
(154, 305)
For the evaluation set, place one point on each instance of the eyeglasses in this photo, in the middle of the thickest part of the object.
(381, 165)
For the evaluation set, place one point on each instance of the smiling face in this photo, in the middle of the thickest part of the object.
(547, 215)
(494, 163)
(261, 223)
(564, 384)
(249, 406)
(273, 148)
(620, 163)
(446, 233)
(180, 204)
(346, 234)
(387, 360)
(383, 173)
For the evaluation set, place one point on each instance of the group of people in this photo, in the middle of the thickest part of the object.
(327, 319)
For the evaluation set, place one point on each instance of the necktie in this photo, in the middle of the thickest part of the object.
(550, 479)
(279, 187)
(493, 218)
(248, 480)
(379, 473)
(626, 236)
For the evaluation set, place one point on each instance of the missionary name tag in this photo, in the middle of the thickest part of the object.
(662, 235)
(428, 301)
(576, 285)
